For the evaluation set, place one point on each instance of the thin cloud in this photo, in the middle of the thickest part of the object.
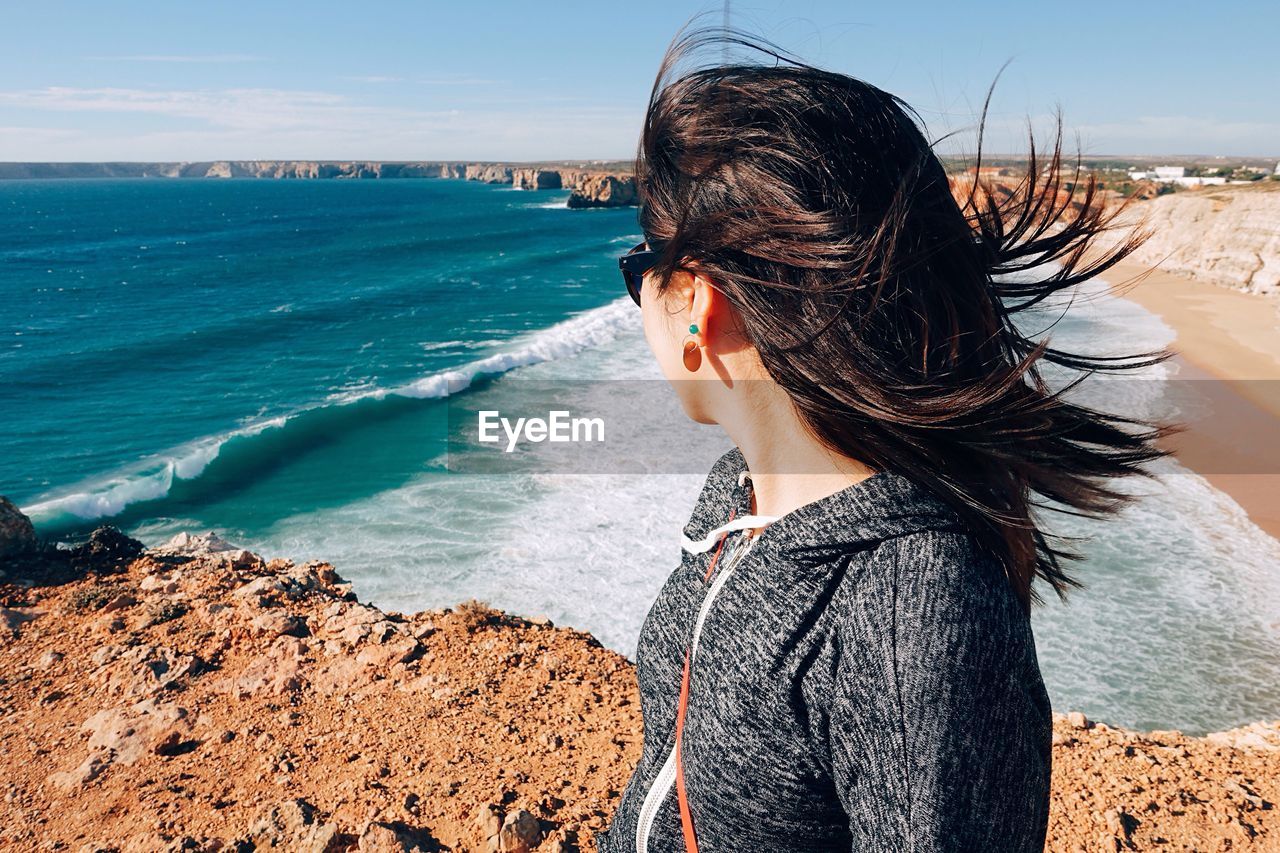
(33, 134)
(245, 108)
(277, 123)
(459, 80)
(159, 57)
(247, 124)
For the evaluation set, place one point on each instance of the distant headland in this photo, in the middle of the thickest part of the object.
(611, 183)
(594, 183)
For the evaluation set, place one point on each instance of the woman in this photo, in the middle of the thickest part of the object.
(844, 657)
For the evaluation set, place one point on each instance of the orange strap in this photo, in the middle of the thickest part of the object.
(686, 817)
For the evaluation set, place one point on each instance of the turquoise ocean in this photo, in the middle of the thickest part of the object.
(271, 360)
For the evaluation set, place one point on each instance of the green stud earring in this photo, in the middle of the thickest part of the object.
(693, 328)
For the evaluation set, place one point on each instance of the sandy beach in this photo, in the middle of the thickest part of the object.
(1228, 345)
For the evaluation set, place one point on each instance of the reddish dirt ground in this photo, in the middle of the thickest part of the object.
(215, 701)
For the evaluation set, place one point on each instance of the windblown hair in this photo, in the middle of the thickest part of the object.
(879, 300)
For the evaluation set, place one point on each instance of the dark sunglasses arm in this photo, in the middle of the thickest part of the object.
(638, 261)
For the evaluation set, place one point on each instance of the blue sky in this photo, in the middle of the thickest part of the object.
(569, 80)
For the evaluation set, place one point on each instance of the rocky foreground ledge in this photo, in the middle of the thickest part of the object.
(199, 697)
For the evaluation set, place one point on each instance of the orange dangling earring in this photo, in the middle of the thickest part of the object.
(692, 352)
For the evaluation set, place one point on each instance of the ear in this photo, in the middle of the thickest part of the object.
(708, 308)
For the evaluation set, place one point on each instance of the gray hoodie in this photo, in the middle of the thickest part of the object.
(864, 679)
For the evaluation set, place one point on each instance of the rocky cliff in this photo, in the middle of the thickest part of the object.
(1227, 235)
(604, 191)
(489, 173)
(592, 186)
(199, 697)
(536, 179)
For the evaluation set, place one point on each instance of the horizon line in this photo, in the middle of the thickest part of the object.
(985, 155)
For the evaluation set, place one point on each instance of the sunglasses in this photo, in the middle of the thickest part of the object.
(635, 263)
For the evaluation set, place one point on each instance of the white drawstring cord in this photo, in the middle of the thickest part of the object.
(713, 537)
(709, 542)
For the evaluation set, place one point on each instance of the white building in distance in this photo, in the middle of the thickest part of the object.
(1175, 175)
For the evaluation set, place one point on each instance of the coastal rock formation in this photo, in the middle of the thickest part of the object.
(535, 179)
(489, 173)
(17, 536)
(201, 697)
(571, 179)
(38, 564)
(279, 169)
(591, 186)
(604, 191)
(1225, 234)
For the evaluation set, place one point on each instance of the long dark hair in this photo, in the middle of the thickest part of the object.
(879, 300)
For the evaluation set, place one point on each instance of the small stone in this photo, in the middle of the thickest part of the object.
(120, 602)
(86, 772)
(243, 559)
(520, 832)
(354, 634)
(194, 544)
(489, 819)
(279, 624)
(158, 583)
(292, 825)
(395, 651)
(170, 743)
(259, 588)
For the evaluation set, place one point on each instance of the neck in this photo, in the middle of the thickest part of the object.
(789, 466)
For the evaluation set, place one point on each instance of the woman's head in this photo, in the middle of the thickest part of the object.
(810, 233)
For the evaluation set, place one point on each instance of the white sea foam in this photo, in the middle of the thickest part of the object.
(105, 499)
(565, 339)
(108, 496)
